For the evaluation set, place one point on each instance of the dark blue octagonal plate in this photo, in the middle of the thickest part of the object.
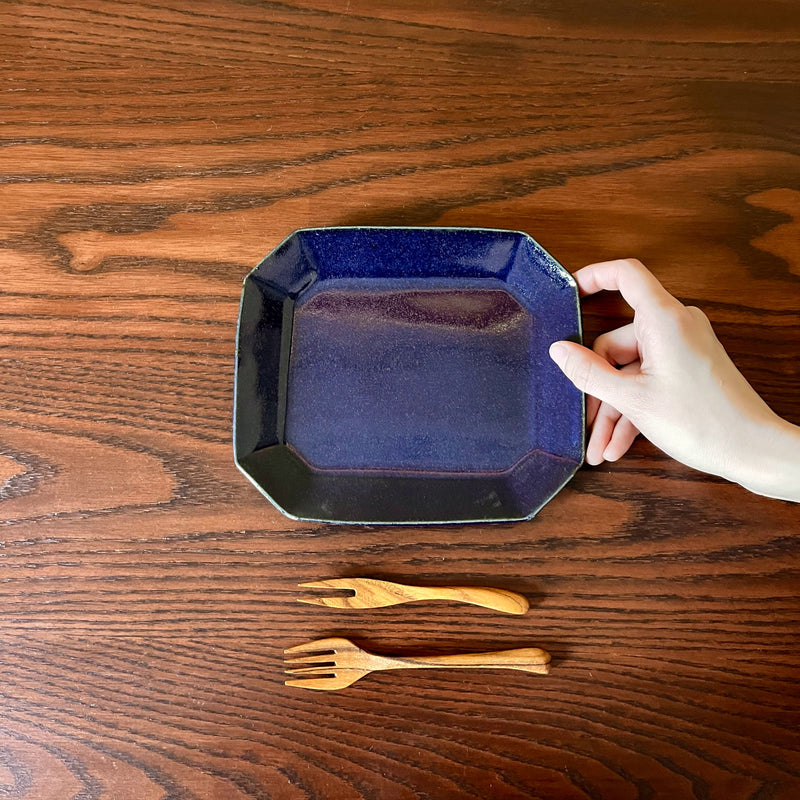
(401, 375)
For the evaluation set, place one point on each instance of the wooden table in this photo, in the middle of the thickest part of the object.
(151, 154)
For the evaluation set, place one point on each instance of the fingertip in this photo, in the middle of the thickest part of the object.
(638, 285)
(588, 371)
(596, 448)
(593, 460)
(558, 352)
(625, 432)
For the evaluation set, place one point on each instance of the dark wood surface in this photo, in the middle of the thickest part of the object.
(150, 155)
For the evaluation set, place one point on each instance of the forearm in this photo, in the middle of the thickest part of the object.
(771, 466)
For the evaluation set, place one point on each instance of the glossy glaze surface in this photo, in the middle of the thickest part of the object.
(435, 379)
(401, 375)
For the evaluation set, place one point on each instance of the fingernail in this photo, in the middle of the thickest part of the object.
(558, 352)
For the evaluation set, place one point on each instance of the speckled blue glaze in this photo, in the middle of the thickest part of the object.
(397, 375)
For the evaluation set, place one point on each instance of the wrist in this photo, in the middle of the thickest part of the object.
(771, 464)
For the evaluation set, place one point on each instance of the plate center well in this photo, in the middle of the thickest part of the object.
(410, 376)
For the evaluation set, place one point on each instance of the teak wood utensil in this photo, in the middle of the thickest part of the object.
(372, 593)
(330, 664)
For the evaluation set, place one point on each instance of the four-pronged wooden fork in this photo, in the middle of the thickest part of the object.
(329, 664)
(372, 593)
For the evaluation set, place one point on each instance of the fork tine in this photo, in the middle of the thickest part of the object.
(310, 647)
(328, 602)
(331, 583)
(327, 679)
(323, 658)
(318, 670)
(329, 645)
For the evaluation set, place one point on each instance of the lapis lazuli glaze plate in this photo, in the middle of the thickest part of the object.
(401, 375)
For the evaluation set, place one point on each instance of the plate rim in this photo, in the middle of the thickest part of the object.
(552, 262)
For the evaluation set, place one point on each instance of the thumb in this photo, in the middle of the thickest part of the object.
(588, 371)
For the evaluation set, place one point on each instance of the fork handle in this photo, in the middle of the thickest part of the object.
(528, 659)
(496, 599)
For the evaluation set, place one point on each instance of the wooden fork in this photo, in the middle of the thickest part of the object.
(371, 593)
(335, 663)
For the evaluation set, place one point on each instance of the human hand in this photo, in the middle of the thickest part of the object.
(667, 376)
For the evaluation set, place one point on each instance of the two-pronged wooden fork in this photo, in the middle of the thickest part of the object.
(372, 593)
(329, 664)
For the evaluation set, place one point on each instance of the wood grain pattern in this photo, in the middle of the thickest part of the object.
(150, 155)
(334, 663)
(372, 593)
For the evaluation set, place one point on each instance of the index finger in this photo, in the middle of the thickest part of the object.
(629, 277)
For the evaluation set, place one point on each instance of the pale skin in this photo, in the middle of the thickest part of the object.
(667, 376)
